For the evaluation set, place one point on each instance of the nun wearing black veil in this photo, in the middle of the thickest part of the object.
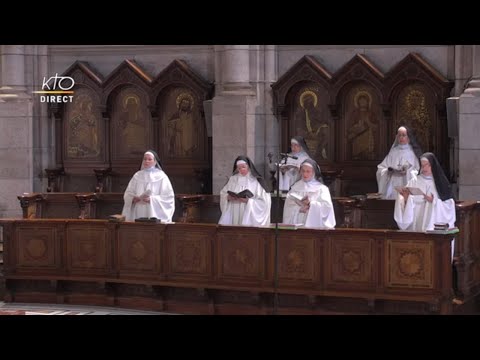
(421, 212)
(149, 193)
(254, 211)
(290, 169)
(309, 202)
(399, 164)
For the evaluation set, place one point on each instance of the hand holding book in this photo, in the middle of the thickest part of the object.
(245, 194)
(411, 190)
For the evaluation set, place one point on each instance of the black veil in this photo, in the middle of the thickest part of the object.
(316, 168)
(441, 182)
(412, 140)
(252, 168)
(158, 164)
(302, 143)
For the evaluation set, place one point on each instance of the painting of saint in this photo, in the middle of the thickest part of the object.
(132, 124)
(182, 135)
(362, 127)
(314, 130)
(414, 112)
(82, 128)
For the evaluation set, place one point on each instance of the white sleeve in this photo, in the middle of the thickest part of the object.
(321, 213)
(257, 208)
(128, 199)
(163, 204)
(403, 213)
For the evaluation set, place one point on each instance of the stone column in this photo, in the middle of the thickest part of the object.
(469, 134)
(236, 70)
(15, 131)
(13, 73)
(233, 111)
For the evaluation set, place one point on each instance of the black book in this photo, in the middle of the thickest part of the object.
(149, 220)
(246, 194)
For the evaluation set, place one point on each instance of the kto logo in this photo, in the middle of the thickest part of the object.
(57, 85)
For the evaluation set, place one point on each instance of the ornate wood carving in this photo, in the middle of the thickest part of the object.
(240, 254)
(38, 247)
(139, 250)
(418, 92)
(351, 117)
(112, 121)
(89, 249)
(410, 264)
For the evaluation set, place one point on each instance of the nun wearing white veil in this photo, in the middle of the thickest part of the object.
(254, 211)
(309, 201)
(400, 164)
(149, 193)
(290, 169)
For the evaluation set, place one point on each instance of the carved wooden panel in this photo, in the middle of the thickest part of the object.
(38, 248)
(351, 261)
(295, 257)
(131, 125)
(366, 107)
(362, 119)
(190, 252)
(139, 250)
(84, 127)
(88, 249)
(240, 254)
(409, 264)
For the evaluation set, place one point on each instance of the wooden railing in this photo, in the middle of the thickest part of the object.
(212, 269)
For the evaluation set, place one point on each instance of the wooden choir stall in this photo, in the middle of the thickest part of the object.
(197, 268)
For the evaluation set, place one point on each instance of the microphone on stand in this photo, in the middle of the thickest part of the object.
(288, 155)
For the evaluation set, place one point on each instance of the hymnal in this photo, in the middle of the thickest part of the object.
(412, 190)
(447, 231)
(116, 218)
(285, 226)
(245, 194)
(148, 220)
(298, 198)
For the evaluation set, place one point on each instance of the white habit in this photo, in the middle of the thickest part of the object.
(320, 214)
(417, 214)
(399, 155)
(293, 174)
(162, 198)
(255, 212)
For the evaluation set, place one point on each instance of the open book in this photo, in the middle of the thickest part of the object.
(145, 194)
(245, 194)
(412, 190)
(298, 199)
(288, 166)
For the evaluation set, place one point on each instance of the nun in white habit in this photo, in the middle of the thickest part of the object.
(149, 193)
(290, 169)
(400, 163)
(309, 202)
(421, 212)
(254, 211)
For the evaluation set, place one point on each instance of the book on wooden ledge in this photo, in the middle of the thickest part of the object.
(447, 231)
(148, 220)
(116, 218)
(286, 226)
(245, 194)
(374, 195)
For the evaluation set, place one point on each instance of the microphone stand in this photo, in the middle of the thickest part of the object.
(277, 217)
